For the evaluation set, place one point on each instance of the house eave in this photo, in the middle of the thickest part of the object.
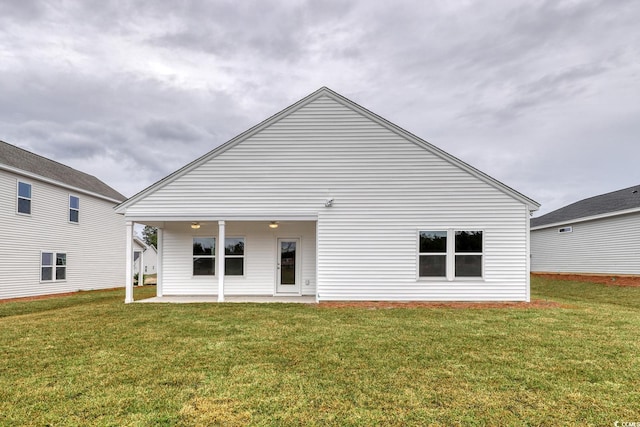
(586, 218)
(221, 217)
(72, 188)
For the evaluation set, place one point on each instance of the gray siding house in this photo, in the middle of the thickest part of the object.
(327, 199)
(59, 231)
(598, 235)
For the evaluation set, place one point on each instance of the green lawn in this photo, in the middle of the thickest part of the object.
(91, 360)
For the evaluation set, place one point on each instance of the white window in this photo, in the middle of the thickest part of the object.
(53, 266)
(433, 254)
(24, 198)
(468, 253)
(450, 254)
(204, 256)
(234, 256)
(74, 209)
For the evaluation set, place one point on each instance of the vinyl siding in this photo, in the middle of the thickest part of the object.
(94, 246)
(150, 259)
(259, 261)
(385, 189)
(604, 246)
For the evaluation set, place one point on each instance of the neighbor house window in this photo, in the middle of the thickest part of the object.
(53, 266)
(24, 198)
(468, 254)
(433, 254)
(204, 256)
(74, 208)
(234, 256)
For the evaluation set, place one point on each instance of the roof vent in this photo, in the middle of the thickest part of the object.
(634, 192)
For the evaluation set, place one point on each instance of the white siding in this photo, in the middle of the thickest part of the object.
(94, 246)
(150, 258)
(260, 258)
(604, 246)
(385, 188)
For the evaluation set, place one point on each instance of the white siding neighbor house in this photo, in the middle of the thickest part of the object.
(145, 257)
(329, 200)
(59, 231)
(598, 235)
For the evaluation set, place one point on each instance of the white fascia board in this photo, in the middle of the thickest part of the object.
(215, 218)
(324, 91)
(586, 218)
(57, 183)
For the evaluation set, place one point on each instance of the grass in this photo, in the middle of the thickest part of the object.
(89, 359)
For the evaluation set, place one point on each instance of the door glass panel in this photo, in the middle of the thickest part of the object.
(287, 263)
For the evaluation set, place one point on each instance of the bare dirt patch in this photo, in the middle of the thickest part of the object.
(633, 281)
(377, 305)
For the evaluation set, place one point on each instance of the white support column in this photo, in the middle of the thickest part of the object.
(527, 216)
(159, 263)
(220, 259)
(128, 298)
(451, 255)
(141, 274)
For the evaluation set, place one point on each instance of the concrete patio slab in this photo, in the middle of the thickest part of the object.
(193, 299)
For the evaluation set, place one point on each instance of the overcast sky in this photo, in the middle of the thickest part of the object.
(542, 95)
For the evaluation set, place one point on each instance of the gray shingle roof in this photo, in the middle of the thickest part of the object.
(18, 158)
(628, 198)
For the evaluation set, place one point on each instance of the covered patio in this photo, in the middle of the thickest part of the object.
(239, 260)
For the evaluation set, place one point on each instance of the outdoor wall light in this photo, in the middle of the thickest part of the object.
(273, 224)
(328, 203)
(195, 225)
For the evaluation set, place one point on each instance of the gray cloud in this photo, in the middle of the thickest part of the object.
(171, 130)
(542, 95)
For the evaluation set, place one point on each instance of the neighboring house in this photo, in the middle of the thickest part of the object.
(598, 235)
(144, 255)
(328, 199)
(59, 230)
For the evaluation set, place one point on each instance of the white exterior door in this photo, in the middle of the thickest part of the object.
(288, 266)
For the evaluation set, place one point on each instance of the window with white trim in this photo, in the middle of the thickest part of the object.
(433, 254)
(234, 256)
(204, 256)
(468, 254)
(24, 198)
(74, 209)
(450, 254)
(53, 266)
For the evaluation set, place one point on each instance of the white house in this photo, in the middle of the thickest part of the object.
(145, 257)
(327, 199)
(598, 235)
(59, 231)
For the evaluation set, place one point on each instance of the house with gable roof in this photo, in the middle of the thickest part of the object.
(597, 235)
(329, 200)
(144, 257)
(59, 231)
